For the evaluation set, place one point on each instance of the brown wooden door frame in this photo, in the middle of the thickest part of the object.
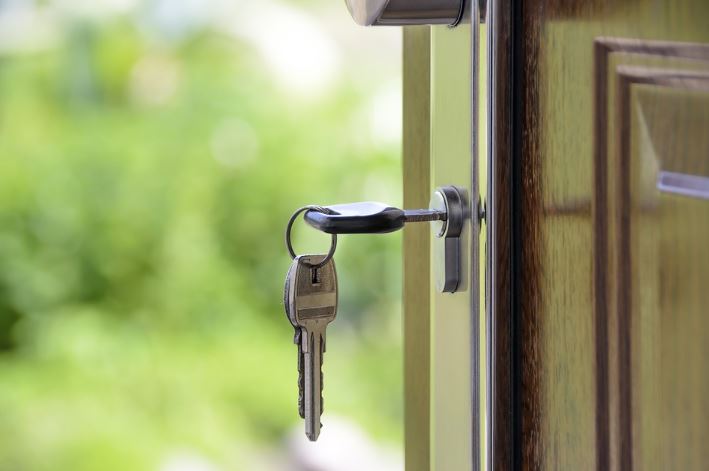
(501, 198)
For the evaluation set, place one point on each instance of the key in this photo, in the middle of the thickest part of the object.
(368, 218)
(312, 305)
(296, 339)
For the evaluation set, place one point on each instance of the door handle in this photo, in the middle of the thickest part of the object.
(406, 12)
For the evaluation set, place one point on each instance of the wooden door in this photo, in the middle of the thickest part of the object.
(599, 224)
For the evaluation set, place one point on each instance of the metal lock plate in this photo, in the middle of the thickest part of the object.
(447, 245)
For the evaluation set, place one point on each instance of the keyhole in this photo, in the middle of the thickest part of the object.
(315, 276)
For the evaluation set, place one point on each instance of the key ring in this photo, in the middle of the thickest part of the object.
(289, 245)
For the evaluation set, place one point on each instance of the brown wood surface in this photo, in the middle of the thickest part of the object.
(600, 280)
(500, 333)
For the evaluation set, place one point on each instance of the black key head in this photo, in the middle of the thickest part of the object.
(357, 218)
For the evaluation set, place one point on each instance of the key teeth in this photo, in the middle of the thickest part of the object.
(313, 436)
(301, 378)
(301, 396)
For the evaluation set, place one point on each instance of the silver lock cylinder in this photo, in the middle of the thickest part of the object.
(406, 12)
(446, 246)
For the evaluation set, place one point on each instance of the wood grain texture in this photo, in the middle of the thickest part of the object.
(612, 274)
(639, 218)
(528, 252)
(613, 430)
(500, 330)
(589, 388)
(416, 260)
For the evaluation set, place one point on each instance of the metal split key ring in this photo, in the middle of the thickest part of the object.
(289, 245)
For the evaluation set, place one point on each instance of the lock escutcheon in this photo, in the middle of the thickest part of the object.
(447, 244)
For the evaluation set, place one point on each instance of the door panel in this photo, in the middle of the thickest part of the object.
(609, 229)
(597, 220)
(642, 112)
(664, 257)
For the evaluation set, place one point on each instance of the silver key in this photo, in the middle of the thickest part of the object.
(312, 305)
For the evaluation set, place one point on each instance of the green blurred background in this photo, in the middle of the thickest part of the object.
(151, 153)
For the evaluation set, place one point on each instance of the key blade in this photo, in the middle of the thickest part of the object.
(313, 383)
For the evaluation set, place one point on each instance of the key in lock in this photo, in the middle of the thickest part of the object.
(448, 211)
(310, 294)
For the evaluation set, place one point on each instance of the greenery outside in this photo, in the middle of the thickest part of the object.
(150, 155)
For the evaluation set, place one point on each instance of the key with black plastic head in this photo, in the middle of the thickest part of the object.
(367, 218)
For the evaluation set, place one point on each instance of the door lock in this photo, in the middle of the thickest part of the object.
(406, 12)
(446, 245)
(448, 212)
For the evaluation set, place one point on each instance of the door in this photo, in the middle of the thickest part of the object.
(580, 335)
(601, 185)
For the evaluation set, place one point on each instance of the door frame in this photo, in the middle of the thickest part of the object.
(445, 424)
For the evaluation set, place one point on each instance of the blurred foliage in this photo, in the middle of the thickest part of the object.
(144, 188)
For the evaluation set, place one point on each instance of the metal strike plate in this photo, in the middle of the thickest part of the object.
(447, 244)
(406, 12)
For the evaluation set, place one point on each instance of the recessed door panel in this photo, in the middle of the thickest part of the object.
(609, 234)
(664, 249)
